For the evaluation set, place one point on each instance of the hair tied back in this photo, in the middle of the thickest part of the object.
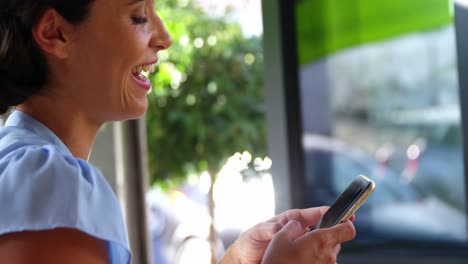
(6, 14)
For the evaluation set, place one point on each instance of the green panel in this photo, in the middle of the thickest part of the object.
(326, 26)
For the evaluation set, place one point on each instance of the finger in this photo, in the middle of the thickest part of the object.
(290, 231)
(294, 214)
(333, 235)
(265, 231)
(337, 249)
(342, 232)
(306, 217)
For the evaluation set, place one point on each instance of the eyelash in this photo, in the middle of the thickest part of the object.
(139, 20)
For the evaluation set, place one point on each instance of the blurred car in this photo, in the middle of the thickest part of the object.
(434, 161)
(394, 212)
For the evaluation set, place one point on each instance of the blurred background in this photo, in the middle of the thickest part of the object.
(261, 107)
(206, 128)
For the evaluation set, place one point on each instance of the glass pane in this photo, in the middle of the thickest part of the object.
(380, 97)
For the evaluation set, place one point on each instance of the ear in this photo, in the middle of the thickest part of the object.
(51, 33)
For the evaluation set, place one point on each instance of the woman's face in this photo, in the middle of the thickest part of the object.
(110, 49)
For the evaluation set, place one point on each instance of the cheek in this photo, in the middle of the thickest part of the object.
(136, 49)
(93, 58)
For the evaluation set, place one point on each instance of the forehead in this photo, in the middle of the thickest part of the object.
(132, 2)
(121, 3)
(111, 6)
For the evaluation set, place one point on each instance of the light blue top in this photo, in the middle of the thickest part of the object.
(42, 186)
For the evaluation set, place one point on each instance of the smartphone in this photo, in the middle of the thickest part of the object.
(348, 202)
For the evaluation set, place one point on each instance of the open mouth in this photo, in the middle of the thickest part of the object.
(141, 72)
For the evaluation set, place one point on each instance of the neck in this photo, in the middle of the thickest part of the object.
(76, 130)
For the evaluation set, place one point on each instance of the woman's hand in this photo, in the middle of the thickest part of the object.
(251, 245)
(292, 245)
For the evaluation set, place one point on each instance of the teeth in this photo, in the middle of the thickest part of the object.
(146, 68)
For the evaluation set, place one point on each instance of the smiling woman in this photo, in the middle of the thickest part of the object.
(67, 68)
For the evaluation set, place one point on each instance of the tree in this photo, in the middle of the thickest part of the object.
(207, 98)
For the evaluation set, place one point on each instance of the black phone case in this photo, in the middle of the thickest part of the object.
(344, 202)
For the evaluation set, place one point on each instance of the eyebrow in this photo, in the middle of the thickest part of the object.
(133, 2)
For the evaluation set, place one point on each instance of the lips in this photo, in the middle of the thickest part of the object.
(140, 78)
(141, 81)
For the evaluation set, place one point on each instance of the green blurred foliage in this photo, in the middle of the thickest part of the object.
(207, 101)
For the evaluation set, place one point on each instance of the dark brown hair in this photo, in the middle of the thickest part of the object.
(23, 68)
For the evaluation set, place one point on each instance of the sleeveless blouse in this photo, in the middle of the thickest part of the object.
(42, 187)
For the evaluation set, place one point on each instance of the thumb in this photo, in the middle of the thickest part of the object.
(292, 230)
(343, 232)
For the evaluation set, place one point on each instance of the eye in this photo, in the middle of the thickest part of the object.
(139, 20)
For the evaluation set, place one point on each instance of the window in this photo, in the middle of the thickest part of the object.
(379, 96)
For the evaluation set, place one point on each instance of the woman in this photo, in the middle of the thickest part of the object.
(67, 67)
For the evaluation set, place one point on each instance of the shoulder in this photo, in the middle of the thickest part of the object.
(42, 188)
(40, 185)
(61, 245)
(27, 159)
(14, 138)
(19, 146)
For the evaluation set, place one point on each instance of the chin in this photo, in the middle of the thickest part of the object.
(137, 111)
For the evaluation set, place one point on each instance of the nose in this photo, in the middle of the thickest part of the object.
(160, 39)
